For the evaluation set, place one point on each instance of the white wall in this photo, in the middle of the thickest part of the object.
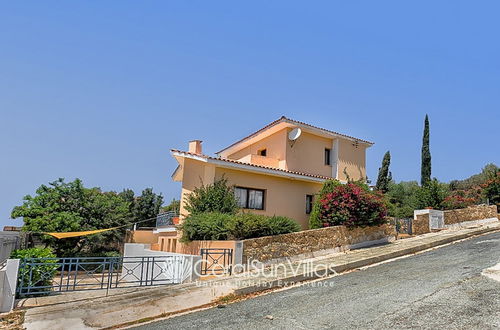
(436, 218)
(8, 282)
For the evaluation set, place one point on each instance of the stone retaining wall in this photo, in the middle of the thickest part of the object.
(421, 224)
(471, 213)
(305, 243)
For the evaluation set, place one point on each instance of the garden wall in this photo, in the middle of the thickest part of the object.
(144, 236)
(471, 213)
(421, 224)
(424, 222)
(313, 242)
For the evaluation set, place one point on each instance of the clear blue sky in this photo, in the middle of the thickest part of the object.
(102, 90)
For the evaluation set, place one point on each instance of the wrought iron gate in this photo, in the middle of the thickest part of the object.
(404, 226)
(43, 276)
(216, 261)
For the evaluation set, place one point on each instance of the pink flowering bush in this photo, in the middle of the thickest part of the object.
(352, 205)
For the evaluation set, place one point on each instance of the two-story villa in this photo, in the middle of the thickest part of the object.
(276, 170)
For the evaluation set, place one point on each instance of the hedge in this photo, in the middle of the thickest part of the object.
(220, 226)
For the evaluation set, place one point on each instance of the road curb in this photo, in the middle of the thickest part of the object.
(130, 308)
(295, 279)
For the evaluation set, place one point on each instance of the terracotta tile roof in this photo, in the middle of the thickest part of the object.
(253, 165)
(326, 130)
(285, 119)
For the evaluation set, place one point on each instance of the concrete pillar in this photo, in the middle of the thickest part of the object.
(8, 285)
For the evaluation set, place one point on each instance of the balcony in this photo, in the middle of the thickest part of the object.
(261, 160)
(166, 221)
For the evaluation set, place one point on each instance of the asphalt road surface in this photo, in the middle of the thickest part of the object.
(439, 289)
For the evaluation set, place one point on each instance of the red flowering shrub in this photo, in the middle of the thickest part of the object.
(491, 189)
(352, 205)
(459, 199)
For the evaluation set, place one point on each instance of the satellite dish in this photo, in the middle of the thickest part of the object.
(294, 135)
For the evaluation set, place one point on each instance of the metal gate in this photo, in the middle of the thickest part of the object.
(216, 261)
(43, 276)
(404, 226)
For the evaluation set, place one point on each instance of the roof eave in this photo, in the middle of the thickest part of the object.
(283, 119)
(248, 167)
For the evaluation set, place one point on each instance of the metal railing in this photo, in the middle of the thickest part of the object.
(403, 226)
(216, 261)
(166, 219)
(43, 276)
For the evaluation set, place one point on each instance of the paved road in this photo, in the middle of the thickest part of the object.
(439, 289)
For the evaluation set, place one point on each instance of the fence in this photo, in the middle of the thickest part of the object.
(216, 261)
(42, 276)
(403, 226)
(166, 219)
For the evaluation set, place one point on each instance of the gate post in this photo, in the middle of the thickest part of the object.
(110, 275)
(8, 283)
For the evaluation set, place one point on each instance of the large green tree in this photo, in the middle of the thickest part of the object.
(384, 175)
(402, 198)
(69, 206)
(425, 171)
(492, 189)
(432, 194)
(488, 171)
(145, 207)
(174, 206)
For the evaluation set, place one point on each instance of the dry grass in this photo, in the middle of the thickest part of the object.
(12, 321)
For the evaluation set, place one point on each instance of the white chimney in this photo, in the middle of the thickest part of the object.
(195, 147)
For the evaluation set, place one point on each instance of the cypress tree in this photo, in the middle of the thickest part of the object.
(425, 171)
(384, 175)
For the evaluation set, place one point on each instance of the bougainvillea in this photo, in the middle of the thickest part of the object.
(352, 205)
(459, 199)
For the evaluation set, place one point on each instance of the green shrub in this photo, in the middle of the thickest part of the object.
(402, 199)
(216, 197)
(42, 273)
(205, 226)
(432, 195)
(283, 225)
(220, 226)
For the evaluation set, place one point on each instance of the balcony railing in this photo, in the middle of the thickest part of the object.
(166, 219)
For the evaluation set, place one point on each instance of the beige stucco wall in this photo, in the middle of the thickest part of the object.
(274, 143)
(195, 173)
(352, 159)
(308, 155)
(283, 197)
